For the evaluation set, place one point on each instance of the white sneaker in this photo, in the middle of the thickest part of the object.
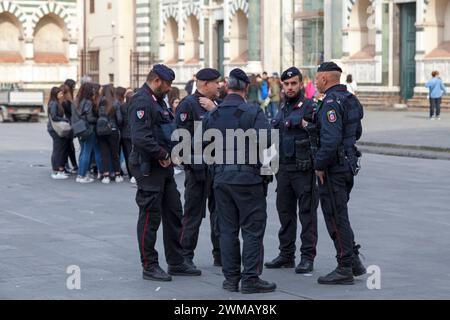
(106, 180)
(438, 118)
(84, 180)
(133, 180)
(119, 179)
(432, 119)
(99, 176)
(59, 176)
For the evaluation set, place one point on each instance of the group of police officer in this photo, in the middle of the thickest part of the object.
(318, 160)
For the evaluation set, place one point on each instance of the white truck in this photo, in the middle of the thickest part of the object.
(21, 105)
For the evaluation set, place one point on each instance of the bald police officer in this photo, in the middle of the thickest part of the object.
(152, 124)
(198, 189)
(239, 191)
(296, 178)
(336, 163)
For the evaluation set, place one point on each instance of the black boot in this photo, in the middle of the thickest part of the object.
(190, 262)
(184, 270)
(257, 286)
(358, 268)
(305, 266)
(342, 276)
(155, 273)
(231, 285)
(280, 263)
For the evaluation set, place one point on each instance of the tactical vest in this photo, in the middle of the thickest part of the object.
(353, 113)
(294, 140)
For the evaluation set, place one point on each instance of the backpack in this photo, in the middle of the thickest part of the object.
(81, 128)
(103, 127)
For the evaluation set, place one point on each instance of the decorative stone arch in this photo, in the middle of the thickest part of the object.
(191, 38)
(436, 28)
(361, 29)
(13, 9)
(170, 52)
(170, 12)
(191, 9)
(233, 8)
(238, 36)
(350, 4)
(50, 8)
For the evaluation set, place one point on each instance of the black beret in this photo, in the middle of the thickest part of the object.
(329, 66)
(208, 74)
(164, 72)
(290, 73)
(240, 75)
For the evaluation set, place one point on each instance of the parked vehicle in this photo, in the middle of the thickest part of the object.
(21, 105)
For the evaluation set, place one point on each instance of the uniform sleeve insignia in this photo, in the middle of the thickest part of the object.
(140, 114)
(332, 116)
(183, 117)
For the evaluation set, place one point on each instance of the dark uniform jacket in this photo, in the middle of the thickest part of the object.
(289, 123)
(151, 125)
(339, 121)
(234, 113)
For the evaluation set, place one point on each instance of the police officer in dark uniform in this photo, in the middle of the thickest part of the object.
(296, 178)
(336, 164)
(152, 125)
(198, 187)
(239, 191)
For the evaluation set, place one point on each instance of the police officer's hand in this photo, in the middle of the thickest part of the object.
(207, 104)
(304, 123)
(165, 163)
(321, 176)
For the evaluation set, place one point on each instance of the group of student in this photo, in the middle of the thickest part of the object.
(102, 113)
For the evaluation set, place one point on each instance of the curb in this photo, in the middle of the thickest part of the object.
(420, 152)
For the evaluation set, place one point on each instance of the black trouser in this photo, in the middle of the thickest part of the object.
(196, 196)
(241, 208)
(295, 190)
(435, 107)
(60, 151)
(338, 223)
(158, 200)
(126, 148)
(110, 149)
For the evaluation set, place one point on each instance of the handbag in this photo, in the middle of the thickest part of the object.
(63, 129)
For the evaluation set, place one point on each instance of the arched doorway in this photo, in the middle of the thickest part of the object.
(171, 41)
(50, 40)
(192, 43)
(239, 38)
(11, 39)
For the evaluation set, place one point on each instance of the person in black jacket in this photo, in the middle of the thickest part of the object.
(123, 96)
(60, 145)
(110, 144)
(68, 106)
(152, 125)
(87, 110)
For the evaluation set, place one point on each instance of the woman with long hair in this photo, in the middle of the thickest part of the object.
(86, 108)
(124, 97)
(60, 145)
(68, 106)
(110, 144)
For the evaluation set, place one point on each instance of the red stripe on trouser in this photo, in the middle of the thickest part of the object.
(143, 239)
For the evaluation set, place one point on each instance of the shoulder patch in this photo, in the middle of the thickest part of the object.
(140, 114)
(184, 117)
(332, 116)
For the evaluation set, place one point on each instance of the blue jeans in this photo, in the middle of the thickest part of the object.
(273, 109)
(87, 147)
(435, 106)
